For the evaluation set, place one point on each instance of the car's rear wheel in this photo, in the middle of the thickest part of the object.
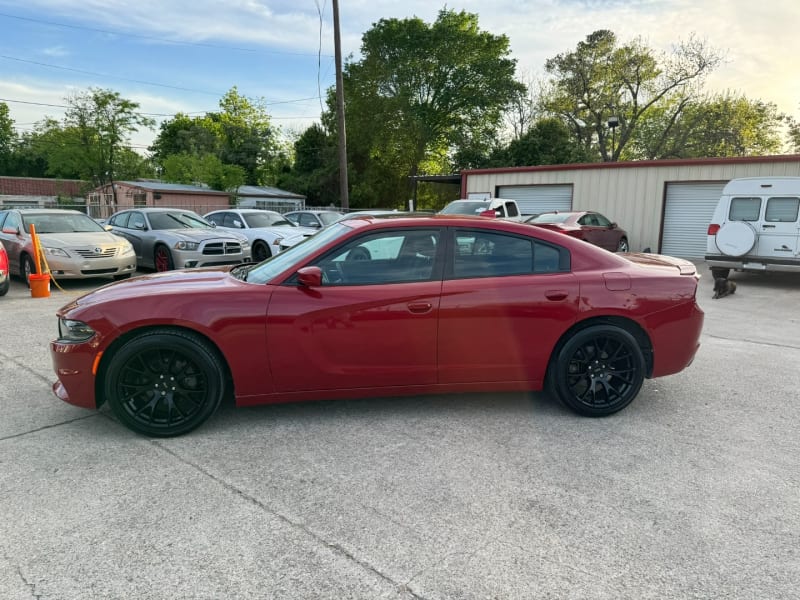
(720, 272)
(26, 269)
(598, 371)
(164, 383)
(162, 258)
(623, 246)
(261, 251)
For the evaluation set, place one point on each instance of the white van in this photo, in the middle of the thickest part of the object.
(755, 226)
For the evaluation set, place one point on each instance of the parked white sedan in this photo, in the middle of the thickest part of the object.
(264, 228)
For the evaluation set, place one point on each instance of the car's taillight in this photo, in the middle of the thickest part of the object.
(3, 262)
(713, 229)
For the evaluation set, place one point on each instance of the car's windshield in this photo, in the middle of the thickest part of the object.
(465, 208)
(266, 219)
(295, 255)
(177, 220)
(328, 217)
(550, 218)
(61, 223)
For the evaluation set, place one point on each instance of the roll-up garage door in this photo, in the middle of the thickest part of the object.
(687, 213)
(535, 199)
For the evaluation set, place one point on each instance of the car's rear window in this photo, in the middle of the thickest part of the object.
(550, 218)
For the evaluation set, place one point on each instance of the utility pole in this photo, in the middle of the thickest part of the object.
(337, 42)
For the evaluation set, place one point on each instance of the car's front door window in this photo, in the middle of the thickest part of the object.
(383, 257)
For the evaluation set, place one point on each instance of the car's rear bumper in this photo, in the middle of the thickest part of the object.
(754, 263)
(675, 334)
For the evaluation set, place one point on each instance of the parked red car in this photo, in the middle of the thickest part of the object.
(5, 273)
(589, 226)
(382, 306)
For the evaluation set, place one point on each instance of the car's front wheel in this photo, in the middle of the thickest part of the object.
(26, 269)
(261, 251)
(623, 246)
(162, 258)
(164, 383)
(598, 371)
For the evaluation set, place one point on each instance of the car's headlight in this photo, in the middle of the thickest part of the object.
(56, 252)
(187, 245)
(74, 331)
(126, 249)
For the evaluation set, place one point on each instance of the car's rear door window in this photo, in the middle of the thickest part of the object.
(495, 254)
(745, 209)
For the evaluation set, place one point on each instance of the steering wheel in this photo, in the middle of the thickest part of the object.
(359, 253)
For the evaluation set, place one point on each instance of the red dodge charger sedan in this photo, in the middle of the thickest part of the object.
(375, 306)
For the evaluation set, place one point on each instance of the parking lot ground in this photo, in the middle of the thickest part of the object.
(690, 492)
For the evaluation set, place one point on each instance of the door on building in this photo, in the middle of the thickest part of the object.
(688, 208)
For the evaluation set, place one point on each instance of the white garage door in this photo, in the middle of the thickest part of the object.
(535, 199)
(687, 213)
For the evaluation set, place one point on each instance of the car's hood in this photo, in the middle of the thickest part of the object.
(91, 238)
(684, 266)
(159, 284)
(201, 235)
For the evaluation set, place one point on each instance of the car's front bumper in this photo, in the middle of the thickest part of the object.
(74, 364)
(71, 268)
(183, 259)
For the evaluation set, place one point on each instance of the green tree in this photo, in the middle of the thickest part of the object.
(418, 90)
(91, 142)
(547, 142)
(240, 133)
(193, 169)
(602, 78)
(722, 125)
(8, 138)
(315, 170)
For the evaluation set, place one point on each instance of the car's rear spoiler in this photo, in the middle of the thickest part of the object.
(660, 260)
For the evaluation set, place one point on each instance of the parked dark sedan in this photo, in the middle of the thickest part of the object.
(374, 306)
(589, 226)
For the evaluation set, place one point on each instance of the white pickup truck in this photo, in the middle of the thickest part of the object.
(499, 208)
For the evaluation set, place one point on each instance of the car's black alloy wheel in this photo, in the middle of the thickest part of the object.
(164, 382)
(598, 371)
(261, 251)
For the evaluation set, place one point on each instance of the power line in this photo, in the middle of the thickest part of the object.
(151, 114)
(154, 38)
(105, 75)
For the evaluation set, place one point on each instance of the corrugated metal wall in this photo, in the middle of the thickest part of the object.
(629, 193)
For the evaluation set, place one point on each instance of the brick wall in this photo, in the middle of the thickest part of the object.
(29, 186)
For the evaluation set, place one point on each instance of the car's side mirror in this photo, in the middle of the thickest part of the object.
(140, 226)
(108, 228)
(310, 276)
(612, 226)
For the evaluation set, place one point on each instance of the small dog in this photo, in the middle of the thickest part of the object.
(723, 287)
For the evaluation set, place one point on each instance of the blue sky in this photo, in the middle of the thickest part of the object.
(176, 55)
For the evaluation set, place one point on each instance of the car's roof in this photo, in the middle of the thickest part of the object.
(155, 209)
(46, 211)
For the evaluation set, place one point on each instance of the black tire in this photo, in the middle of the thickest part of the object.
(623, 246)
(26, 268)
(162, 259)
(720, 272)
(5, 286)
(164, 383)
(598, 371)
(261, 251)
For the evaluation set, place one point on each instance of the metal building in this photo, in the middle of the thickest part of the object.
(665, 205)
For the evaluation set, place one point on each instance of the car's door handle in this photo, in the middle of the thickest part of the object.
(768, 226)
(556, 295)
(420, 307)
